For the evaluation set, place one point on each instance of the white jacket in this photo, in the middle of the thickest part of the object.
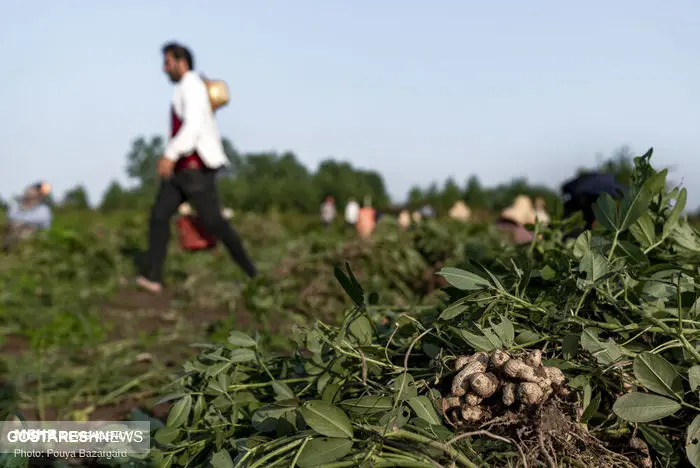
(199, 130)
(352, 211)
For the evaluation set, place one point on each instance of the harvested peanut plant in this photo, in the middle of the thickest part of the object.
(581, 352)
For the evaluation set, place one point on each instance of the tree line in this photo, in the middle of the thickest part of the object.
(268, 181)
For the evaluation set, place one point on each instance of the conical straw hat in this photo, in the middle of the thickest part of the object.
(521, 211)
(460, 211)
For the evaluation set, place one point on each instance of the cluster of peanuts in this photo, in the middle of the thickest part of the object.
(497, 379)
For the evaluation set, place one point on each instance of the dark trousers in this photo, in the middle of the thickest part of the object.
(198, 188)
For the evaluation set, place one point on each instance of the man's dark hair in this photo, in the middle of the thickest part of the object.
(179, 52)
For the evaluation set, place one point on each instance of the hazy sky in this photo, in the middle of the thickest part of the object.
(417, 90)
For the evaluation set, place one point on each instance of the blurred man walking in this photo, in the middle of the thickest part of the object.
(188, 169)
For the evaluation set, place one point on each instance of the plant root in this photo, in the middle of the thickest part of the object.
(516, 400)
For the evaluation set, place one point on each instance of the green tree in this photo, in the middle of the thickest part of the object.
(76, 198)
(142, 159)
(232, 154)
(474, 194)
(343, 181)
(451, 192)
(114, 198)
(415, 197)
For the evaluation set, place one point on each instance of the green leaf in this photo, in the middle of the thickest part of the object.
(455, 309)
(352, 288)
(164, 461)
(241, 340)
(282, 390)
(569, 346)
(494, 280)
(363, 331)
(504, 330)
(606, 353)
(214, 388)
(692, 442)
(266, 418)
(404, 387)
(200, 407)
(684, 235)
(464, 280)
(605, 211)
(326, 419)
(313, 341)
(591, 408)
(424, 409)
(657, 375)
(547, 273)
(166, 435)
(674, 216)
(323, 450)
(639, 407)
(633, 207)
(242, 355)
(431, 350)
(526, 336)
(644, 231)
(222, 459)
(244, 397)
(594, 265)
(396, 418)
(656, 441)
(634, 253)
(331, 392)
(167, 398)
(481, 343)
(368, 404)
(218, 368)
(179, 412)
(587, 393)
(694, 377)
(582, 244)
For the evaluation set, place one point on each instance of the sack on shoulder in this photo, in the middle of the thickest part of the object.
(218, 93)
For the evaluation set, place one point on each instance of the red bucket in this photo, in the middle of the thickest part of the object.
(192, 235)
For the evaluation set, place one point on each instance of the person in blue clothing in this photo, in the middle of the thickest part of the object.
(427, 211)
(27, 214)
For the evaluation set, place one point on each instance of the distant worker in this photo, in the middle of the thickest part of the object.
(188, 169)
(328, 211)
(581, 193)
(404, 219)
(513, 220)
(367, 219)
(27, 214)
(416, 217)
(541, 211)
(427, 211)
(352, 212)
(460, 211)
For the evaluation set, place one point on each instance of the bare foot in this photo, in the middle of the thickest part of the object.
(149, 285)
